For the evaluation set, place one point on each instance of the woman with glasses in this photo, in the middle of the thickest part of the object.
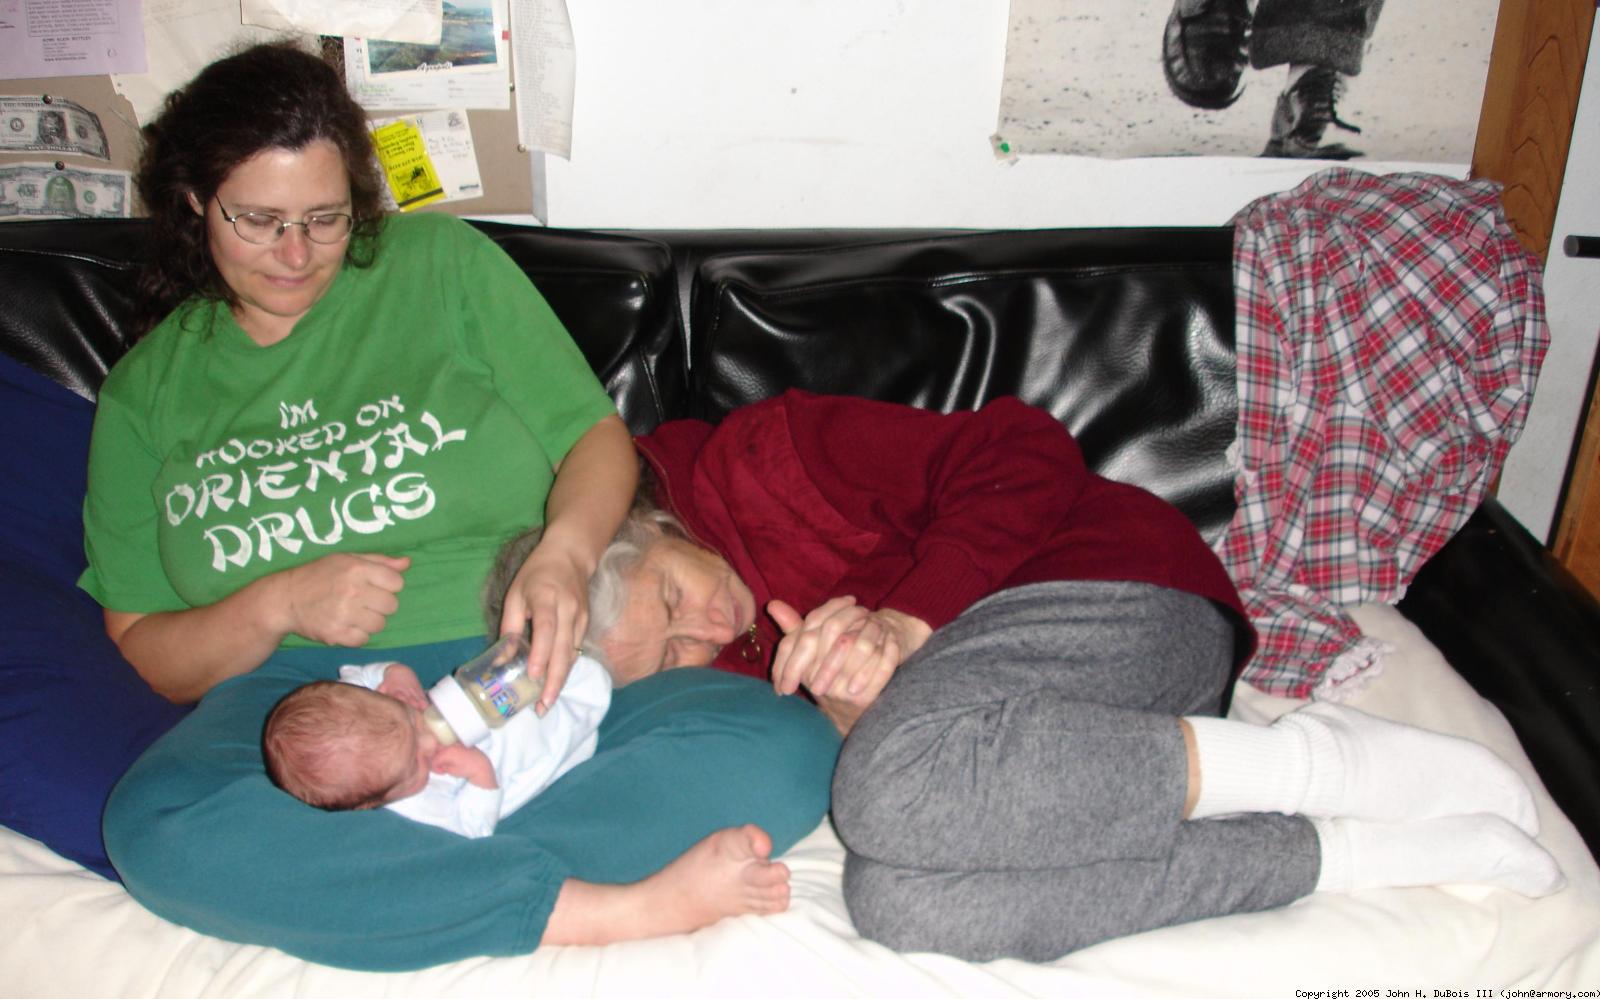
(310, 459)
(289, 313)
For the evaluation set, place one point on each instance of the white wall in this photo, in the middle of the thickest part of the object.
(705, 113)
(864, 113)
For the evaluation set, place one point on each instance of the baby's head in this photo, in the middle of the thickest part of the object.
(339, 746)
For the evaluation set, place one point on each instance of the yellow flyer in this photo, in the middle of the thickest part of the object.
(412, 178)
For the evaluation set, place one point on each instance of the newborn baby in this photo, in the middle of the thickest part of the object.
(362, 742)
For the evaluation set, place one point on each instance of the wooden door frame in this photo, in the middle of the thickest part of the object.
(1524, 131)
(1530, 100)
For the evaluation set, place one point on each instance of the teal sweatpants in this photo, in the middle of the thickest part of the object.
(201, 837)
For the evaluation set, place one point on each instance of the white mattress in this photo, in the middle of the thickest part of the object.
(68, 933)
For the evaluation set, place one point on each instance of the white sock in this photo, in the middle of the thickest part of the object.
(1459, 849)
(1331, 761)
(1248, 768)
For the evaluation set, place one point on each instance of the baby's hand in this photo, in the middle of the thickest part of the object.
(400, 682)
(467, 762)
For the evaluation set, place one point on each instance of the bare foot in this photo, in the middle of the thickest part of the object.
(728, 873)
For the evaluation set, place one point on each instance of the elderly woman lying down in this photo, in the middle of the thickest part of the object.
(1029, 661)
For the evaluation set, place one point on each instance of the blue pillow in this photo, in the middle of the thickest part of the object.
(73, 714)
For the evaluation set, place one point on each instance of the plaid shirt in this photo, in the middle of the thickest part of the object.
(1390, 331)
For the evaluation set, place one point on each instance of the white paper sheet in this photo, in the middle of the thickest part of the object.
(183, 36)
(70, 38)
(469, 68)
(545, 58)
(397, 20)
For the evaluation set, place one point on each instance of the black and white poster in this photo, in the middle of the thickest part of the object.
(1309, 79)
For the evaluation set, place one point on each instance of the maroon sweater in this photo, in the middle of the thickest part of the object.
(810, 497)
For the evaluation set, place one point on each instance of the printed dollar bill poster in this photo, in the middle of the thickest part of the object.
(38, 125)
(41, 191)
(1302, 79)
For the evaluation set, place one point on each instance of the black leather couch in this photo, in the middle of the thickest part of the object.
(1126, 335)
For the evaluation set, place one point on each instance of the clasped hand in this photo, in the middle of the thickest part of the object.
(842, 653)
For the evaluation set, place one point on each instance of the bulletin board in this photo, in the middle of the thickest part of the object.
(506, 168)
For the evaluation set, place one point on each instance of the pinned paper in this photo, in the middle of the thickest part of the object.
(545, 65)
(419, 21)
(447, 137)
(404, 156)
(469, 68)
(183, 37)
(70, 38)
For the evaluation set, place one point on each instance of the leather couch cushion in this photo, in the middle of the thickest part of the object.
(68, 289)
(618, 297)
(1125, 335)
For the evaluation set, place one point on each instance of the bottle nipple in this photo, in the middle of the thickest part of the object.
(439, 727)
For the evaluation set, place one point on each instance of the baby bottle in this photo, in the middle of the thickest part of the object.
(482, 693)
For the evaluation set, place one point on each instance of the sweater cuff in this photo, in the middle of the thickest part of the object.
(943, 583)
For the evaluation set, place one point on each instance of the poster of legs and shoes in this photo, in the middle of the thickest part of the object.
(1305, 79)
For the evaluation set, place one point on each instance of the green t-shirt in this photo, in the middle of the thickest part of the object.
(416, 409)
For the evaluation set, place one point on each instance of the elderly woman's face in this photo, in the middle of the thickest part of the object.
(683, 605)
(277, 283)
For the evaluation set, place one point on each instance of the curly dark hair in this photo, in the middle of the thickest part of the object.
(270, 96)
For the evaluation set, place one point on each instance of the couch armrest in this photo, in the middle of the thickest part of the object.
(1526, 635)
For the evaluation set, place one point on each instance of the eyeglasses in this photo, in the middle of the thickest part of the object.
(261, 228)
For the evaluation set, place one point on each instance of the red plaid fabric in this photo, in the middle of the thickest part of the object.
(1390, 331)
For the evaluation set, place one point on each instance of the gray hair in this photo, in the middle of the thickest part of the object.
(608, 587)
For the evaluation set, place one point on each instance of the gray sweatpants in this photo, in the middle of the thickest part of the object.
(1017, 790)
